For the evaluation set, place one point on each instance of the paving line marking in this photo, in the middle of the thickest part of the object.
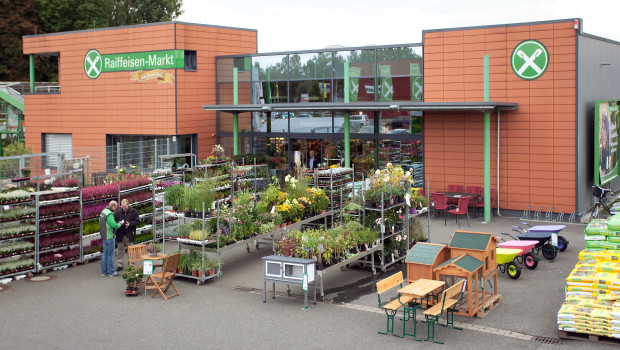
(471, 327)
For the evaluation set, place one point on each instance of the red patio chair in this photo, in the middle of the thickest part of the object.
(473, 189)
(473, 202)
(480, 203)
(461, 209)
(455, 188)
(439, 202)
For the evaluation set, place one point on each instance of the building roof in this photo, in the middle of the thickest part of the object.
(423, 253)
(469, 263)
(465, 262)
(482, 107)
(470, 240)
(448, 262)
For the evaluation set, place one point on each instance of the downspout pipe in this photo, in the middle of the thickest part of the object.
(497, 193)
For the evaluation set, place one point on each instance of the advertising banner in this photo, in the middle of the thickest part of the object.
(606, 118)
(354, 83)
(416, 81)
(387, 88)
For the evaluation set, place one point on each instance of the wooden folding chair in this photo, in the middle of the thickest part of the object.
(135, 253)
(165, 277)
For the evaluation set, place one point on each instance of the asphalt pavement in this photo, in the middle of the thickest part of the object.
(79, 309)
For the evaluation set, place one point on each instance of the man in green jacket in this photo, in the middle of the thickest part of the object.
(107, 225)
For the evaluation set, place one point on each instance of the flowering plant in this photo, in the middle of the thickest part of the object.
(284, 210)
(218, 152)
(318, 199)
(66, 183)
(390, 181)
(417, 199)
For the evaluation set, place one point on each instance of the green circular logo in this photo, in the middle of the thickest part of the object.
(93, 64)
(530, 59)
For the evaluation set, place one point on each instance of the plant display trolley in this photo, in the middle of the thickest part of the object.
(390, 229)
(336, 182)
(59, 228)
(17, 234)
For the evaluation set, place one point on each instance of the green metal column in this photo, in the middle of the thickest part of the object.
(268, 97)
(487, 146)
(377, 115)
(347, 129)
(31, 60)
(236, 115)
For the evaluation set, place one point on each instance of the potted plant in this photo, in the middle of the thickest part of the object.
(132, 276)
(174, 196)
(196, 266)
(25, 172)
(218, 153)
(211, 266)
(416, 231)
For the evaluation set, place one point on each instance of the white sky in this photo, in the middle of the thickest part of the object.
(288, 25)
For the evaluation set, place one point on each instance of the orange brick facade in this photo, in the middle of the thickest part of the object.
(115, 105)
(537, 142)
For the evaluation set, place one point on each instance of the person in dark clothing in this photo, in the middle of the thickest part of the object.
(313, 162)
(126, 234)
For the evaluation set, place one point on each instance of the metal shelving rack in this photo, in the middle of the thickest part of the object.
(39, 203)
(219, 177)
(89, 237)
(335, 193)
(236, 179)
(31, 236)
(382, 265)
(151, 200)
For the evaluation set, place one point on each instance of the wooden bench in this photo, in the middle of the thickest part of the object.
(391, 308)
(447, 301)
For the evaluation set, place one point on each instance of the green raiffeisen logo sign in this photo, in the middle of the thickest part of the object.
(529, 59)
(96, 63)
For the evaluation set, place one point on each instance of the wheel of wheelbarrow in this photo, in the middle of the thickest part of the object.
(512, 270)
(529, 261)
(549, 251)
(562, 243)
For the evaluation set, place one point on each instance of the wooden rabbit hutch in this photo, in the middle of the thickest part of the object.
(472, 258)
(423, 258)
(480, 245)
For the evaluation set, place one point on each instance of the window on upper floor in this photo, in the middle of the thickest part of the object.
(190, 61)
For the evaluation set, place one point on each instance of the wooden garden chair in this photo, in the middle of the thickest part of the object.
(447, 304)
(135, 253)
(162, 281)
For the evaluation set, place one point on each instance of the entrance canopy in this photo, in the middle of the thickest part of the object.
(481, 107)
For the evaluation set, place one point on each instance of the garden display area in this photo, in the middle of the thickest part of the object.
(225, 214)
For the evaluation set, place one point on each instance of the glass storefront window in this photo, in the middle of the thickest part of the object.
(362, 60)
(362, 156)
(276, 66)
(310, 65)
(402, 61)
(361, 122)
(313, 122)
(310, 91)
(278, 91)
